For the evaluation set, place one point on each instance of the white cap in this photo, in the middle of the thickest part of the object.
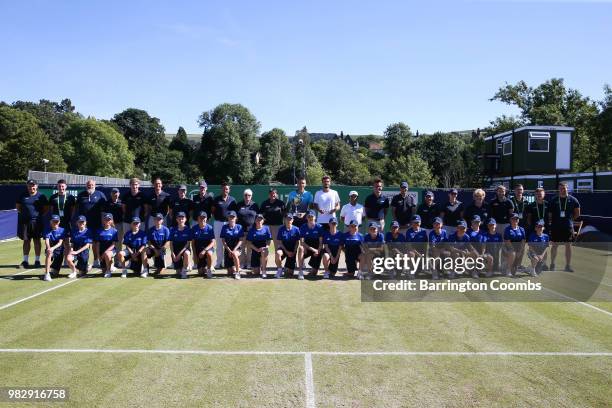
(353, 192)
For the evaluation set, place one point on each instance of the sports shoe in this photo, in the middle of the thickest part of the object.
(88, 268)
(96, 263)
(531, 271)
(183, 273)
(47, 277)
(264, 275)
(209, 274)
(279, 273)
(359, 275)
(237, 275)
(552, 267)
(326, 275)
(72, 275)
(301, 275)
(24, 265)
(113, 269)
(568, 268)
(37, 264)
(144, 273)
(124, 273)
(107, 275)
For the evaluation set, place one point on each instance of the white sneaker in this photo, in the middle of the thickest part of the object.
(264, 275)
(326, 275)
(96, 263)
(89, 268)
(72, 275)
(47, 277)
(124, 273)
(279, 273)
(359, 275)
(107, 275)
(144, 273)
(113, 268)
(183, 273)
(301, 275)
(237, 275)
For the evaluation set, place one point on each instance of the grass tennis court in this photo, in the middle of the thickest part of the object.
(279, 343)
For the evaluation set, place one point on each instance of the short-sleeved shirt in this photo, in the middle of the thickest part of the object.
(477, 238)
(135, 240)
(80, 238)
(32, 206)
(375, 206)
(494, 238)
(203, 236)
(458, 242)
(246, 213)
(62, 205)
(182, 204)
(326, 201)
(352, 240)
(202, 203)
(159, 203)
(483, 212)
(437, 238)
(501, 210)
(289, 237)
(404, 206)
(178, 236)
(54, 235)
(332, 241)
(115, 208)
(221, 207)
(273, 211)
(538, 243)
(352, 212)
(514, 235)
(232, 235)
(299, 202)
(379, 238)
(389, 237)
(106, 238)
(453, 212)
(538, 212)
(311, 235)
(427, 214)
(416, 236)
(91, 206)
(521, 208)
(562, 210)
(159, 236)
(259, 236)
(134, 205)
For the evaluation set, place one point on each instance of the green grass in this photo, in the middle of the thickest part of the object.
(302, 316)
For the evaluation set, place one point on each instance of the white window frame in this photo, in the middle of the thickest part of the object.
(507, 141)
(498, 145)
(540, 183)
(584, 184)
(539, 136)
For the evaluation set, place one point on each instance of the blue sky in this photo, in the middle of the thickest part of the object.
(330, 65)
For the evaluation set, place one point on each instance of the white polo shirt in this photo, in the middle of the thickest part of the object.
(326, 201)
(352, 212)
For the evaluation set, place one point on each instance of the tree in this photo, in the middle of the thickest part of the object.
(551, 103)
(94, 148)
(603, 134)
(398, 139)
(180, 143)
(502, 124)
(343, 165)
(53, 117)
(170, 167)
(272, 145)
(443, 153)
(411, 168)
(229, 143)
(145, 136)
(24, 145)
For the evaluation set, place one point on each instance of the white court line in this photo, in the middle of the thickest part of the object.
(309, 381)
(37, 294)
(308, 354)
(577, 301)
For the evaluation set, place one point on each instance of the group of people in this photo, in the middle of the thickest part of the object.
(132, 230)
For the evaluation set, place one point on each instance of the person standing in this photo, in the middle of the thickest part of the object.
(428, 210)
(90, 204)
(404, 207)
(182, 204)
(564, 210)
(520, 204)
(222, 204)
(452, 212)
(115, 207)
(31, 206)
(326, 202)
(247, 211)
(273, 211)
(536, 211)
(478, 207)
(203, 201)
(377, 205)
(62, 204)
(502, 208)
(299, 202)
(158, 203)
(133, 203)
(352, 211)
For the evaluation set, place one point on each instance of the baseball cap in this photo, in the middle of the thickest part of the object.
(540, 223)
(289, 215)
(259, 217)
(159, 216)
(231, 214)
(136, 220)
(81, 218)
(203, 184)
(415, 218)
(514, 215)
(203, 214)
(454, 191)
(492, 221)
(180, 214)
(333, 220)
(108, 216)
(310, 213)
(429, 194)
(31, 181)
(183, 187)
(476, 218)
(353, 193)
(55, 217)
(437, 220)
(114, 190)
(353, 222)
(462, 224)
(404, 184)
(372, 224)
(395, 224)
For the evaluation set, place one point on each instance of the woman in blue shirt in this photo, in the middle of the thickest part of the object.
(311, 245)
(158, 237)
(288, 244)
(105, 240)
(332, 243)
(514, 245)
(135, 244)
(459, 244)
(54, 249)
(203, 245)
(78, 257)
(493, 243)
(258, 239)
(180, 238)
(438, 248)
(352, 243)
(231, 238)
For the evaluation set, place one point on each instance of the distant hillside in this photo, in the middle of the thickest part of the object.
(193, 138)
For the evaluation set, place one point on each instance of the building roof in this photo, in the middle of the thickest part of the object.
(534, 127)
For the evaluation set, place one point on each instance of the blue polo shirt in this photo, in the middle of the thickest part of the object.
(203, 236)
(514, 235)
(81, 238)
(232, 235)
(135, 240)
(289, 237)
(495, 238)
(437, 238)
(31, 206)
(90, 205)
(332, 241)
(159, 237)
(349, 240)
(259, 237)
(538, 244)
(459, 242)
(54, 235)
(416, 236)
(389, 237)
(180, 236)
(106, 238)
(311, 235)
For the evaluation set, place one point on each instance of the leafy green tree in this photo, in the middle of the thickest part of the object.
(411, 168)
(502, 124)
(319, 148)
(95, 148)
(229, 143)
(344, 166)
(53, 117)
(24, 145)
(603, 134)
(170, 167)
(188, 166)
(398, 139)
(272, 144)
(145, 136)
(443, 153)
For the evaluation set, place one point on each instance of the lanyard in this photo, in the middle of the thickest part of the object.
(543, 210)
(63, 204)
(522, 206)
(564, 205)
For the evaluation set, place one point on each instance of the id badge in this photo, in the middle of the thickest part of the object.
(520, 216)
(562, 214)
(61, 213)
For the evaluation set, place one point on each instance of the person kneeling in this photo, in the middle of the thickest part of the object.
(258, 239)
(54, 248)
(135, 242)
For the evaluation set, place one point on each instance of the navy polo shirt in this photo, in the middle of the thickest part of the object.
(375, 206)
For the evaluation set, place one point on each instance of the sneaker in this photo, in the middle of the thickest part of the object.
(552, 267)
(37, 264)
(107, 275)
(532, 272)
(72, 275)
(144, 273)
(88, 268)
(96, 263)
(509, 274)
(47, 277)
(183, 273)
(301, 275)
(124, 273)
(24, 265)
(359, 275)
(208, 273)
(279, 273)
(568, 268)
(112, 268)
(212, 270)
(326, 275)
(264, 275)
(237, 275)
